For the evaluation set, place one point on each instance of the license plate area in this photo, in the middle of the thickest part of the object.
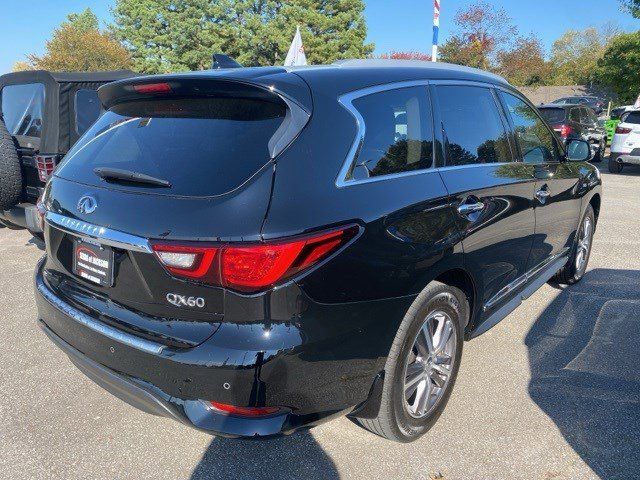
(93, 262)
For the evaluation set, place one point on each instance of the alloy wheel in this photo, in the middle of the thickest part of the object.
(429, 364)
(584, 244)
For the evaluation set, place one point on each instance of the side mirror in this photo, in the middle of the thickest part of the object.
(578, 151)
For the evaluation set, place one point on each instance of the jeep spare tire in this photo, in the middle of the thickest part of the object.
(10, 173)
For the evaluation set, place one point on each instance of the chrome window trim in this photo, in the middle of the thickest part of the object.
(96, 326)
(103, 235)
(346, 100)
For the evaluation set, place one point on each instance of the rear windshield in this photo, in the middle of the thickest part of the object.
(553, 116)
(22, 108)
(202, 146)
(631, 117)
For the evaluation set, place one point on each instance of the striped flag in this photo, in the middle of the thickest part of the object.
(436, 29)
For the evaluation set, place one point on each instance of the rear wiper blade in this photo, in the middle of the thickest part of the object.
(128, 176)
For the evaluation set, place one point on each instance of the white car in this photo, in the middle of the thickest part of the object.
(625, 147)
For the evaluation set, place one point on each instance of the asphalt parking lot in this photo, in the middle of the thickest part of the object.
(553, 392)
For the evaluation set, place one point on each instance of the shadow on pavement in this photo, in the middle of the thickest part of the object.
(295, 456)
(584, 354)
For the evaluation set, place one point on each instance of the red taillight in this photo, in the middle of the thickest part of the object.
(188, 261)
(151, 88)
(46, 164)
(244, 411)
(251, 267)
(564, 130)
(623, 130)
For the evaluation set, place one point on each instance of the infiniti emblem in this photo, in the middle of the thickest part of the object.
(87, 204)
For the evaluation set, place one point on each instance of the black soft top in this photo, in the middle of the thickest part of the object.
(58, 129)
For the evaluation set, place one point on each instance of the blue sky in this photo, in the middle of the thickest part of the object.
(393, 24)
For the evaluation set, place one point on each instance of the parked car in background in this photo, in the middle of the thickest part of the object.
(596, 104)
(614, 119)
(42, 115)
(625, 147)
(255, 251)
(576, 122)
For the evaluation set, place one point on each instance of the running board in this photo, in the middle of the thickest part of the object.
(534, 280)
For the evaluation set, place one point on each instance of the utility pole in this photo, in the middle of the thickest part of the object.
(436, 28)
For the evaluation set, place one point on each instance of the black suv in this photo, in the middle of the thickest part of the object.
(594, 103)
(572, 122)
(42, 114)
(259, 250)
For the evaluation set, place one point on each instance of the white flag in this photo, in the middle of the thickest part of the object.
(296, 54)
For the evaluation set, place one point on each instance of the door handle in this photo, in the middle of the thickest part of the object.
(466, 208)
(543, 194)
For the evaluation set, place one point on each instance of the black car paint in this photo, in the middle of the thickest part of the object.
(315, 345)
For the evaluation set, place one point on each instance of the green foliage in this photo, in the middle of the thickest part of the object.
(631, 6)
(619, 67)
(575, 55)
(176, 35)
(481, 31)
(78, 45)
(524, 64)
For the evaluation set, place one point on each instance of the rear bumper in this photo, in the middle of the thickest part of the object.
(312, 373)
(152, 400)
(23, 215)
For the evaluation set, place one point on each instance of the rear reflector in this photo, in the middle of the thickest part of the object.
(251, 267)
(150, 88)
(46, 164)
(244, 411)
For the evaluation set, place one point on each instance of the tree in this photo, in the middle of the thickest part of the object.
(631, 6)
(481, 31)
(174, 35)
(79, 45)
(619, 67)
(407, 56)
(576, 53)
(525, 64)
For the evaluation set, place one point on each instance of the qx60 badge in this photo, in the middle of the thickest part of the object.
(87, 204)
(184, 301)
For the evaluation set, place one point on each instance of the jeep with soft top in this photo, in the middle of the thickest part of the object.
(42, 115)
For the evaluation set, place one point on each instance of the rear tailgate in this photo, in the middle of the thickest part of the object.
(215, 155)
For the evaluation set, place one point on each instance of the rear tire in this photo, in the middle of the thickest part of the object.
(614, 166)
(574, 269)
(420, 373)
(10, 172)
(597, 158)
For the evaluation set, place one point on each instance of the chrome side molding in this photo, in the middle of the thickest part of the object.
(99, 327)
(103, 235)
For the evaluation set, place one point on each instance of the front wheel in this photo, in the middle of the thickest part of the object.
(422, 365)
(574, 269)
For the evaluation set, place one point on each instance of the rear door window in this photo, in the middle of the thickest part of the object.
(534, 137)
(88, 109)
(22, 109)
(474, 129)
(398, 133)
(201, 146)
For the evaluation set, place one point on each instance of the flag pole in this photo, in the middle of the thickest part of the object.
(436, 29)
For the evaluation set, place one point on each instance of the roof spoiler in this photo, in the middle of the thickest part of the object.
(221, 60)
